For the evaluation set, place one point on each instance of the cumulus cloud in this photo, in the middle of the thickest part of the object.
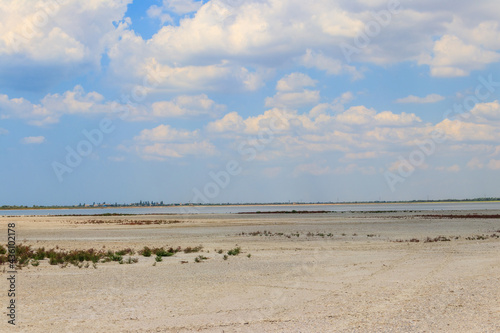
(459, 130)
(235, 44)
(165, 141)
(49, 36)
(330, 65)
(213, 46)
(176, 150)
(230, 122)
(182, 106)
(53, 106)
(78, 102)
(30, 140)
(295, 82)
(158, 13)
(487, 112)
(361, 115)
(293, 99)
(452, 57)
(432, 98)
(165, 133)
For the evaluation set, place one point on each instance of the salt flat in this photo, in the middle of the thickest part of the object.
(345, 272)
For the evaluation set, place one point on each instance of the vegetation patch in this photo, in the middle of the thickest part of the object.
(234, 252)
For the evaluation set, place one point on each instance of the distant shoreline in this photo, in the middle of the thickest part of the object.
(5, 208)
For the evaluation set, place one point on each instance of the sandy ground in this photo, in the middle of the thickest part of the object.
(357, 277)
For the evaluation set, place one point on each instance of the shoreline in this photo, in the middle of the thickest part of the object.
(262, 204)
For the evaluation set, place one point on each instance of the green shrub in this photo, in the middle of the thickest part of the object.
(162, 252)
(193, 249)
(234, 252)
(146, 251)
(200, 258)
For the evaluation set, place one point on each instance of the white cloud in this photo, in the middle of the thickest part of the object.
(330, 65)
(78, 102)
(360, 116)
(344, 98)
(59, 39)
(213, 77)
(295, 82)
(487, 112)
(158, 13)
(33, 140)
(3, 131)
(214, 48)
(176, 150)
(453, 58)
(291, 93)
(432, 98)
(230, 122)
(164, 141)
(53, 106)
(293, 99)
(465, 131)
(165, 133)
(182, 106)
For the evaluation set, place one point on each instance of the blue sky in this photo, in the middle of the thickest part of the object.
(248, 101)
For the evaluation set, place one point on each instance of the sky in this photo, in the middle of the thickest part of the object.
(221, 101)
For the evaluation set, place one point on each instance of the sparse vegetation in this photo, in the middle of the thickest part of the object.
(448, 239)
(436, 239)
(200, 258)
(281, 234)
(146, 251)
(129, 222)
(234, 252)
(193, 249)
(82, 258)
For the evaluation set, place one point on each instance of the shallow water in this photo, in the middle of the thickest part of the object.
(261, 208)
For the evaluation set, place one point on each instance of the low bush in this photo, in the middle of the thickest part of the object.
(234, 252)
